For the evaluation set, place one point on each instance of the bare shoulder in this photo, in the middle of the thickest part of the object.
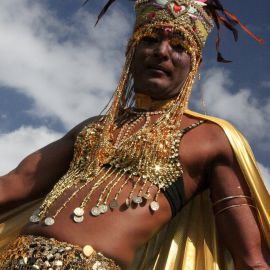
(224, 174)
(203, 149)
(73, 133)
(210, 137)
(217, 140)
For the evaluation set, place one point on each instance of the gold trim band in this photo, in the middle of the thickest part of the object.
(233, 206)
(230, 198)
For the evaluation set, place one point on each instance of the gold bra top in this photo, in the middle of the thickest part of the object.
(149, 155)
(132, 154)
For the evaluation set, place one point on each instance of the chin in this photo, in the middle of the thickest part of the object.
(157, 88)
(157, 85)
(160, 93)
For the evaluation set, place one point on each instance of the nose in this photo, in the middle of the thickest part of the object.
(162, 49)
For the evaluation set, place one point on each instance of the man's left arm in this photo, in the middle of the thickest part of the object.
(235, 212)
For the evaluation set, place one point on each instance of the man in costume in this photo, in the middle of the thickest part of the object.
(116, 184)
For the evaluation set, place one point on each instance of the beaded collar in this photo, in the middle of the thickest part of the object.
(146, 103)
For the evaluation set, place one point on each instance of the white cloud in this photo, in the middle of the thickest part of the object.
(68, 70)
(265, 175)
(239, 107)
(20, 143)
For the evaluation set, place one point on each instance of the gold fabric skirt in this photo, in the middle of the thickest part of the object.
(36, 252)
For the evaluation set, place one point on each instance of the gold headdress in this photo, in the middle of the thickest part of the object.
(178, 14)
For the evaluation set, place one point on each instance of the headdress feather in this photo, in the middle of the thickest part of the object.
(229, 20)
(219, 15)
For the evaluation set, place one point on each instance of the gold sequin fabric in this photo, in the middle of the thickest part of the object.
(35, 252)
(124, 157)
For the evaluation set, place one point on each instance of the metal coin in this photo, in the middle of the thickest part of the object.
(34, 219)
(103, 208)
(78, 219)
(113, 204)
(49, 221)
(95, 211)
(88, 250)
(137, 199)
(154, 205)
(78, 212)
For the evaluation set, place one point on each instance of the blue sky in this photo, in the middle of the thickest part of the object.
(57, 70)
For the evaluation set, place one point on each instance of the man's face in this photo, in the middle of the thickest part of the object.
(160, 65)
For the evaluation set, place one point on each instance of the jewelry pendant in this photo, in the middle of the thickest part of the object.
(78, 212)
(34, 219)
(78, 219)
(113, 204)
(103, 208)
(88, 250)
(154, 205)
(137, 199)
(49, 221)
(95, 211)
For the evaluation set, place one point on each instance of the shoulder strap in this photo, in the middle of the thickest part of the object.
(192, 126)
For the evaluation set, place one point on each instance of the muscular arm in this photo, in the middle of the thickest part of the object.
(238, 226)
(38, 172)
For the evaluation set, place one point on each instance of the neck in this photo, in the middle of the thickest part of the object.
(144, 102)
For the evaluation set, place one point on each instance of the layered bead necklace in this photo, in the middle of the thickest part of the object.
(148, 157)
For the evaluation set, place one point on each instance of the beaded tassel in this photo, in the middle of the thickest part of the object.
(148, 155)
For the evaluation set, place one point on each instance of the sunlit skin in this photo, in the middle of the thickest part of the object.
(159, 70)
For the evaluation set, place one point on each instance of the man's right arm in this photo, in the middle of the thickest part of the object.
(37, 173)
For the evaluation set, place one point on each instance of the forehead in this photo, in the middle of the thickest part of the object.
(166, 32)
(177, 35)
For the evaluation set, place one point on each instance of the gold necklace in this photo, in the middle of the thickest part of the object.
(149, 157)
(102, 205)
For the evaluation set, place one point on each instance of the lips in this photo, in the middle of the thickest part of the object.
(159, 69)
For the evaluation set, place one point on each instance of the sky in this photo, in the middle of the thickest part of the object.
(57, 69)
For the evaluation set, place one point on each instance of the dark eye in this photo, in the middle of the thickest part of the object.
(149, 40)
(178, 48)
(176, 44)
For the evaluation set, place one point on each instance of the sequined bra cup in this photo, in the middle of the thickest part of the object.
(131, 160)
(96, 161)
